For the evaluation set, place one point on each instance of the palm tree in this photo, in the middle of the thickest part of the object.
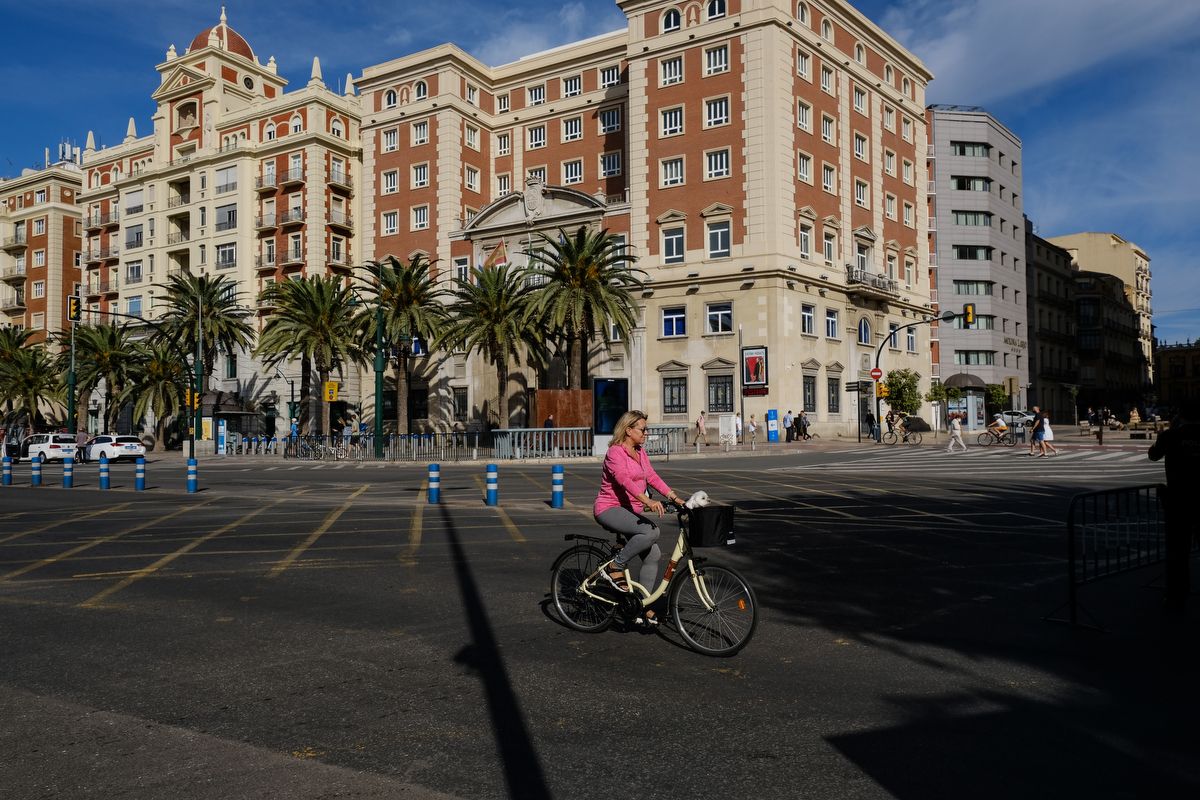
(413, 306)
(104, 352)
(29, 379)
(313, 321)
(157, 384)
(214, 301)
(587, 283)
(492, 316)
(12, 341)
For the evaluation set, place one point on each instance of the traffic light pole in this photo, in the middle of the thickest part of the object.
(71, 383)
(946, 316)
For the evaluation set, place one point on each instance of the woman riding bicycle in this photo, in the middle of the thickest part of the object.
(997, 427)
(627, 472)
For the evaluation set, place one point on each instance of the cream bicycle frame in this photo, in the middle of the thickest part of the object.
(648, 597)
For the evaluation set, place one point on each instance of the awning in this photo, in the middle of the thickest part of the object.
(964, 380)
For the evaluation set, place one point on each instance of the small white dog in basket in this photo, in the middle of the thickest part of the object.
(698, 500)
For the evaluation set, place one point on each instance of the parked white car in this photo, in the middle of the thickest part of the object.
(1021, 419)
(48, 447)
(113, 447)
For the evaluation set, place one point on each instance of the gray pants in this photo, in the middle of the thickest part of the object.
(641, 539)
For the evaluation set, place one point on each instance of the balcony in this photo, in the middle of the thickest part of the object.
(266, 222)
(133, 279)
(226, 263)
(134, 210)
(341, 219)
(292, 176)
(179, 200)
(265, 304)
(14, 275)
(178, 272)
(133, 242)
(226, 224)
(869, 284)
(340, 261)
(226, 187)
(292, 257)
(293, 217)
(92, 290)
(16, 242)
(103, 254)
(340, 178)
(109, 287)
(265, 263)
(179, 237)
(13, 302)
(266, 183)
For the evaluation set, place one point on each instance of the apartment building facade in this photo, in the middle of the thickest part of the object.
(1053, 352)
(757, 156)
(977, 252)
(238, 177)
(1112, 367)
(1178, 375)
(40, 255)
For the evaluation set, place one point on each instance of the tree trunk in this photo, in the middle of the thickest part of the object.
(160, 432)
(402, 421)
(502, 384)
(323, 375)
(572, 362)
(304, 410)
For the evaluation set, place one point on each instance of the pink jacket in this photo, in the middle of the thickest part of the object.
(624, 478)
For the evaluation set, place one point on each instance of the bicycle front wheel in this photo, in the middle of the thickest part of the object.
(914, 437)
(576, 608)
(715, 611)
(890, 437)
(984, 439)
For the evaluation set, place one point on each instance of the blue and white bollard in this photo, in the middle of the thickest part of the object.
(35, 471)
(493, 485)
(193, 478)
(68, 473)
(8, 471)
(435, 483)
(103, 472)
(139, 475)
(556, 486)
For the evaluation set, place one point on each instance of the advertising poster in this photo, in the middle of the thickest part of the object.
(754, 367)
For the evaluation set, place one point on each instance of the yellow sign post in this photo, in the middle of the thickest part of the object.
(331, 391)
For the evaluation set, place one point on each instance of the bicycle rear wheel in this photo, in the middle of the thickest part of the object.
(577, 609)
(715, 611)
(1008, 439)
(914, 437)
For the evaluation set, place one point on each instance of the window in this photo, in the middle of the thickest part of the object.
(831, 324)
(226, 217)
(889, 162)
(536, 95)
(891, 266)
(716, 164)
(672, 70)
(572, 129)
(906, 128)
(536, 137)
(672, 171)
(674, 321)
(908, 214)
(674, 395)
(719, 318)
(420, 132)
(133, 239)
(973, 287)
(230, 366)
(391, 223)
(227, 255)
(827, 30)
(810, 393)
(889, 75)
(39, 258)
(420, 175)
(889, 206)
(133, 306)
(390, 141)
(907, 174)
(225, 179)
(421, 90)
(39, 226)
(893, 328)
(39, 197)
(983, 322)
(720, 393)
(573, 172)
(804, 167)
(718, 239)
(864, 332)
(835, 395)
(974, 357)
(973, 218)
(610, 165)
(572, 86)
(803, 116)
(716, 112)
(391, 181)
(889, 118)
(472, 137)
(860, 54)
(827, 80)
(462, 269)
(537, 173)
(808, 322)
(673, 246)
(975, 149)
(828, 178)
(502, 103)
(610, 76)
(670, 20)
(716, 9)
(502, 145)
(827, 128)
(672, 121)
(39, 287)
(420, 218)
(860, 147)
(472, 179)
(610, 119)
(803, 65)
(911, 340)
(716, 60)
(297, 124)
(503, 185)
(829, 246)
(861, 196)
(860, 100)
(460, 403)
(473, 95)
(805, 241)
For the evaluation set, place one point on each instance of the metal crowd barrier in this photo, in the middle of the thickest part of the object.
(452, 446)
(662, 440)
(527, 443)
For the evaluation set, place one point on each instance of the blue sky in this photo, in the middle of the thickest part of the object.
(1102, 93)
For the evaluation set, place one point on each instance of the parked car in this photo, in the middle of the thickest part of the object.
(113, 447)
(48, 447)
(1021, 419)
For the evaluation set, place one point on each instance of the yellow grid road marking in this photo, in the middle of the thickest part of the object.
(137, 575)
(317, 534)
(409, 556)
(62, 556)
(72, 518)
(505, 519)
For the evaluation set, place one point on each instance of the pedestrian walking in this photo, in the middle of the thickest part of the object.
(737, 428)
(872, 426)
(956, 434)
(804, 426)
(788, 420)
(1048, 436)
(1180, 446)
(701, 429)
(1037, 434)
(752, 429)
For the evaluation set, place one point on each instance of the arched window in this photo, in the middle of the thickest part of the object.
(297, 124)
(389, 98)
(907, 87)
(864, 331)
(860, 54)
(670, 20)
(716, 9)
(827, 31)
(421, 90)
(336, 128)
(802, 12)
(888, 75)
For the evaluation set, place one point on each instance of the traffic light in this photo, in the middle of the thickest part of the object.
(968, 314)
(74, 308)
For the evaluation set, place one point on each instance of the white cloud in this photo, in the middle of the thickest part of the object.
(523, 30)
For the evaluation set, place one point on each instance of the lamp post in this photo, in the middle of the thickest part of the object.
(199, 369)
(945, 317)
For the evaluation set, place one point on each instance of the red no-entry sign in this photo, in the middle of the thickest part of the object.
(876, 374)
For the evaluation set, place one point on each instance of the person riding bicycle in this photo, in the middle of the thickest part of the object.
(623, 483)
(997, 427)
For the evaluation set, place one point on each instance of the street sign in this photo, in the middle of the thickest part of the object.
(1012, 385)
(853, 387)
(331, 391)
(876, 374)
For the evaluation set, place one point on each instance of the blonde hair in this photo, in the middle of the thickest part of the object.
(627, 421)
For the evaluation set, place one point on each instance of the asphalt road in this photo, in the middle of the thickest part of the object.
(318, 630)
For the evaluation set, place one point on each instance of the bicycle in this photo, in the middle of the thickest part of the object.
(909, 437)
(713, 607)
(990, 436)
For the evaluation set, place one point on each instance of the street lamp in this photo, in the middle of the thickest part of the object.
(945, 317)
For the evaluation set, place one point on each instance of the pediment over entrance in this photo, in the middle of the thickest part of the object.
(717, 364)
(541, 207)
(672, 366)
(811, 364)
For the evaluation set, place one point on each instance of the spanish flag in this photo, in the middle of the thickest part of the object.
(498, 257)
